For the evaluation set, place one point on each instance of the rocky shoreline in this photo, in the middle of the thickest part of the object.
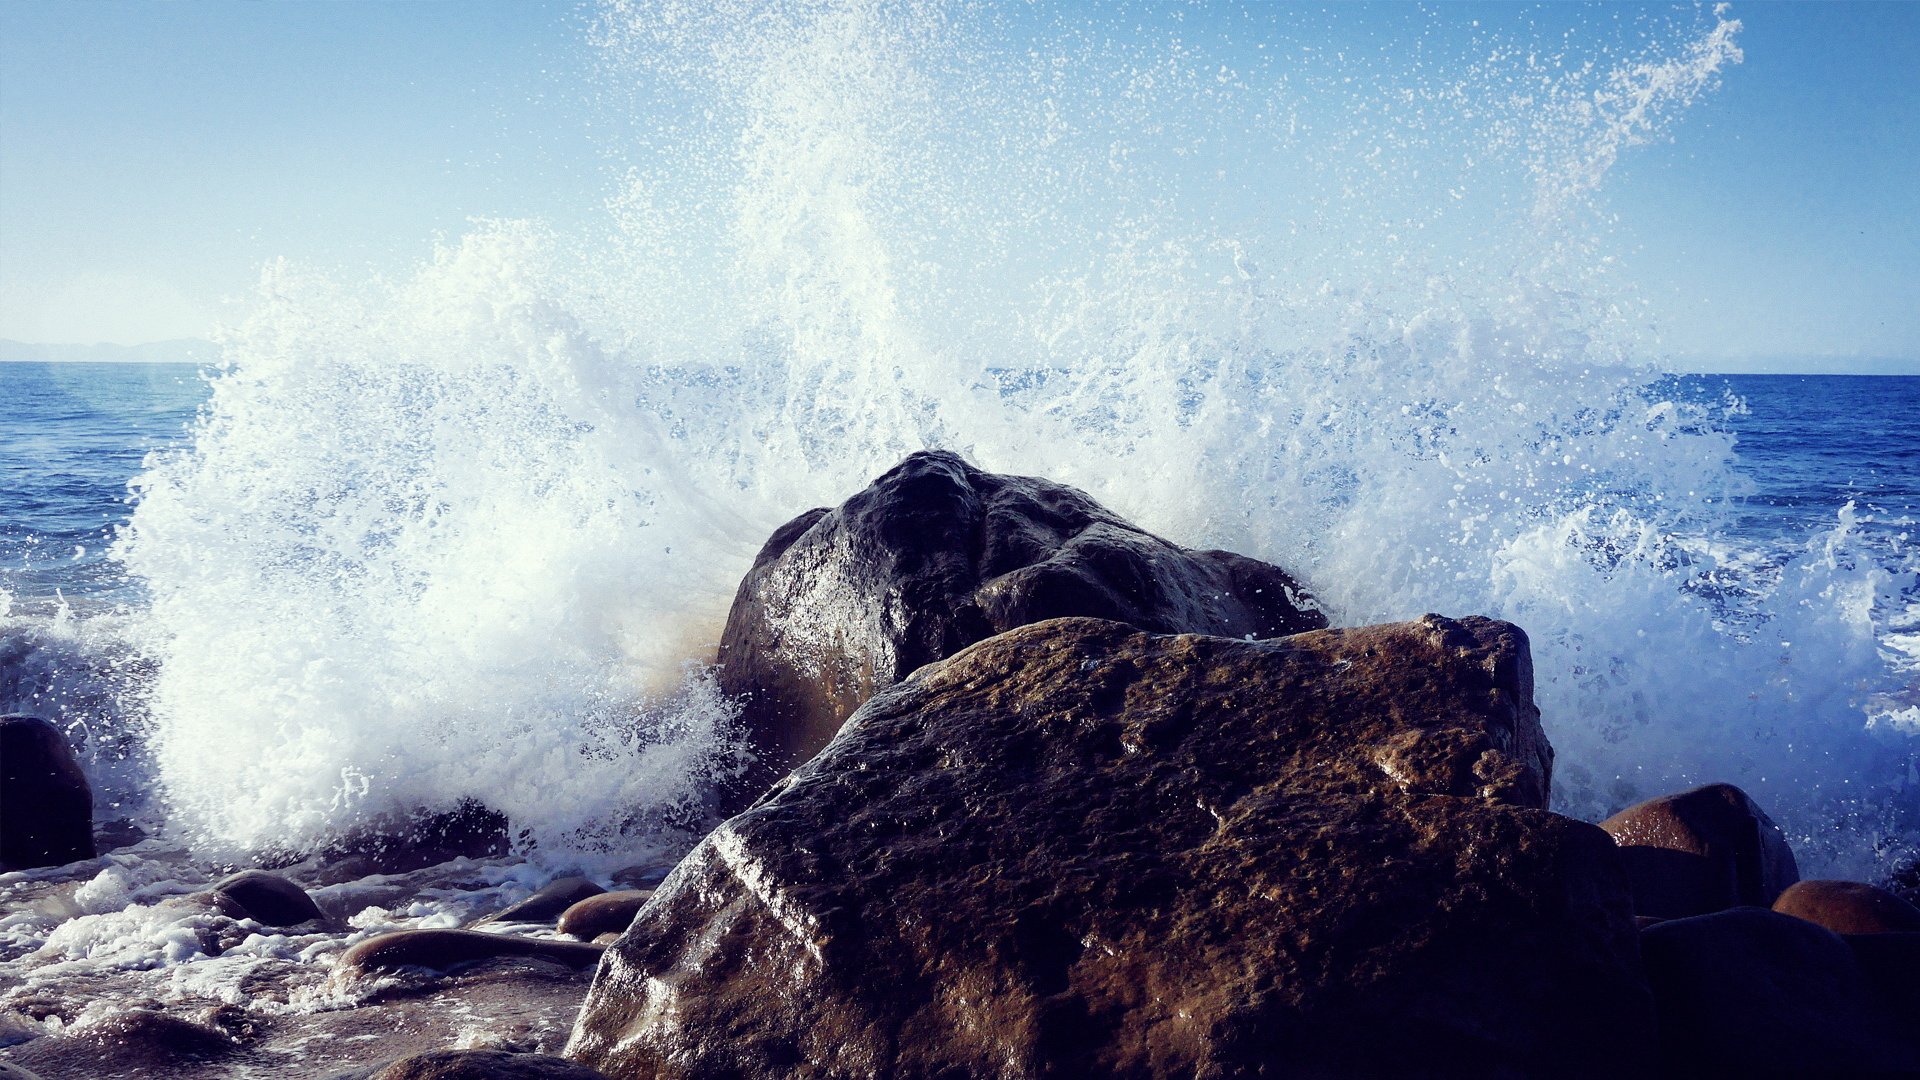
(1034, 793)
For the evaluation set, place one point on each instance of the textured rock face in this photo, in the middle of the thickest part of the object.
(1077, 849)
(46, 805)
(1702, 851)
(937, 555)
(1750, 992)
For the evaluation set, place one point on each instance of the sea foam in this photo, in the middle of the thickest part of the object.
(471, 534)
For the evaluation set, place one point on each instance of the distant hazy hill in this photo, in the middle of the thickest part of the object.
(182, 351)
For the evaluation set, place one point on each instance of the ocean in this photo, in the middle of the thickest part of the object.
(1821, 471)
(469, 532)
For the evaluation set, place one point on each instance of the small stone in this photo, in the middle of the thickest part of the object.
(269, 899)
(444, 950)
(603, 914)
(546, 905)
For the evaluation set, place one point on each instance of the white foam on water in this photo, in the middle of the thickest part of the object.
(1351, 311)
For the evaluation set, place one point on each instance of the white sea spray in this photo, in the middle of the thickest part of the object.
(458, 536)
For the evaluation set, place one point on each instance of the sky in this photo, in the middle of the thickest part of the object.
(153, 157)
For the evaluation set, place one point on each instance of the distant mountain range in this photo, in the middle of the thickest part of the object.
(181, 351)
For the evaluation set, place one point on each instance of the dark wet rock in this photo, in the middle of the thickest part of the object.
(443, 950)
(116, 834)
(477, 1065)
(268, 899)
(1702, 851)
(136, 1042)
(641, 877)
(607, 913)
(1890, 962)
(548, 902)
(1748, 991)
(1904, 881)
(1848, 907)
(469, 831)
(46, 805)
(15, 1072)
(937, 555)
(1076, 849)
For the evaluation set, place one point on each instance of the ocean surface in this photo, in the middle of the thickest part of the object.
(1824, 464)
(77, 435)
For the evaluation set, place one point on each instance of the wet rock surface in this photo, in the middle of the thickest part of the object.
(548, 902)
(477, 1065)
(447, 950)
(608, 913)
(937, 555)
(1080, 849)
(1848, 907)
(268, 899)
(46, 805)
(1702, 851)
(1748, 992)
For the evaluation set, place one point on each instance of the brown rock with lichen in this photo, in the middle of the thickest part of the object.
(1081, 849)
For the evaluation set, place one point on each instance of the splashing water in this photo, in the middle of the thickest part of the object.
(1349, 310)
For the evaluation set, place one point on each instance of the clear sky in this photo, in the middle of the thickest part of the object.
(154, 156)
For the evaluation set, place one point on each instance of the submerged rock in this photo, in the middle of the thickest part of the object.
(1848, 907)
(1748, 992)
(937, 555)
(548, 902)
(1702, 851)
(268, 899)
(444, 950)
(1081, 849)
(607, 913)
(477, 1065)
(46, 805)
(133, 1042)
(398, 846)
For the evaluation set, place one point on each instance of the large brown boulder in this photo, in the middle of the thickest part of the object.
(1078, 849)
(937, 555)
(1702, 851)
(46, 805)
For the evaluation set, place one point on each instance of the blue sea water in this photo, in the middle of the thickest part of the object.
(1826, 468)
(76, 434)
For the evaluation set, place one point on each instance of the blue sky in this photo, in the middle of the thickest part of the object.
(154, 156)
